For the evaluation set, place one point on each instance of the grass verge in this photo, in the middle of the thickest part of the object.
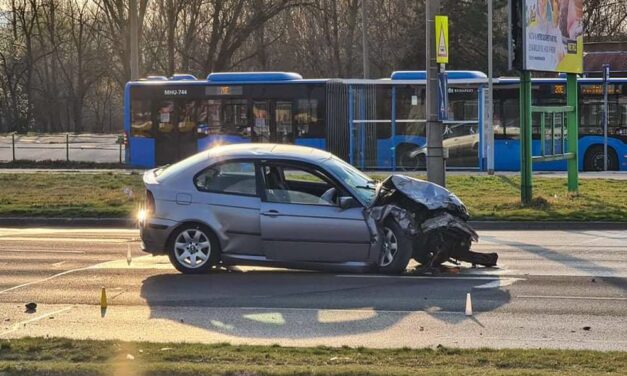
(61, 165)
(487, 197)
(58, 356)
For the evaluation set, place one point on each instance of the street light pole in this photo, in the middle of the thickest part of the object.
(489, 131)
(134, 42)
(435, 151)
(364, 38)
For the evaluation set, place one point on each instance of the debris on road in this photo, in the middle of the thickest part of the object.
(31, 307)
(586, 328)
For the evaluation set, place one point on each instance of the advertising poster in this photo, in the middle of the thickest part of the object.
(553, 35)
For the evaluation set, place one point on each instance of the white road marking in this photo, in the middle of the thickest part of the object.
(40, 251)
(43, 280)
(473, 278)
(498, 283)
(18, 325)
(570, 297)
(57, 264)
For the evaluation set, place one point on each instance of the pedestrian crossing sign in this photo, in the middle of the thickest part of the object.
(441, 39)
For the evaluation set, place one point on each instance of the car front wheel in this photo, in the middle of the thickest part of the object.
(396, 252)
(193, 249)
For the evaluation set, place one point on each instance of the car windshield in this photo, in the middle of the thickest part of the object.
(362, 185)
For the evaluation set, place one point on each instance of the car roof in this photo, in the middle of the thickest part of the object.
(267, 151)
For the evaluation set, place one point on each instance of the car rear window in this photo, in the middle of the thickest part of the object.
(230, 177)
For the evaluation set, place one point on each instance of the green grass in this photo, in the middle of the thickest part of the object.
(487, 197)
(69, 195)
(58, 356)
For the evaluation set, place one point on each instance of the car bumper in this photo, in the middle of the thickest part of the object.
(154, 233)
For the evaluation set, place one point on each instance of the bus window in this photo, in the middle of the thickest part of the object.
(166, 110)
(261, 121)
(283, 118)
(410, 111)
(187, 117)
(228, 116)
(308, 124)
(141, 122)
(384, 111)
(511, 118)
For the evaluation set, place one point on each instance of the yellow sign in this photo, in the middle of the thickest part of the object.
(441, 39)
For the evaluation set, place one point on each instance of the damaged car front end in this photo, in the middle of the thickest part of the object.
(434, 219)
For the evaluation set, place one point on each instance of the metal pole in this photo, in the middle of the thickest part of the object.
(526, 193)
(13, 145)
(435, 151)
(134, 42)
(67, 147)
(606, 71)
(121, 152)
(489, 134)
(572, 119)
(364, 38)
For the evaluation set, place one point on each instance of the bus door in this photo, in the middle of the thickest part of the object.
(272, 121)
(175, 130)
(166, 136)
(187, 128)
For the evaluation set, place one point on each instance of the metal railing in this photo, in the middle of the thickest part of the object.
(67, 147)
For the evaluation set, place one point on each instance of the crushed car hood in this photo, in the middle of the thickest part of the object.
(427, 194)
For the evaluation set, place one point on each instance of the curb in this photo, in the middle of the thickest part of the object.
(547, 225)
(67, 222)
(477, 225)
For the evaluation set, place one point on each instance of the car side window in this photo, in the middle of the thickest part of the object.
(230, 177)
(294, 185)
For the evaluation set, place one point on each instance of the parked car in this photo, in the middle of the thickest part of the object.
(296, 207)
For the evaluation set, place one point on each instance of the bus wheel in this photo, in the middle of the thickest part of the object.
(593, 160)
(406, 162)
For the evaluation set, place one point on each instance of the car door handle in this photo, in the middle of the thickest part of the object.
(270, 213)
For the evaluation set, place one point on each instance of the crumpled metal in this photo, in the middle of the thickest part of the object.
(404, 219)
(431, 195)
(446, 220)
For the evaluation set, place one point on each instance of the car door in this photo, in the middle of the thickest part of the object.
(229, 189)
(299, 224)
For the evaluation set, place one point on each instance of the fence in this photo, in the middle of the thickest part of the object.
(97, 148)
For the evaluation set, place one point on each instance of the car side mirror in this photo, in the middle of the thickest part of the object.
(347, 202)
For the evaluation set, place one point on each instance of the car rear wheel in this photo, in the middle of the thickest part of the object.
(396, 249)
(193, 249)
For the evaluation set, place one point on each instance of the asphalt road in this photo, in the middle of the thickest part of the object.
(553, 289)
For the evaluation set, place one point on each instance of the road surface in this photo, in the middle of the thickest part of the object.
(553, 289)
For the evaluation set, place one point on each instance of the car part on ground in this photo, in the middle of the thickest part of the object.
(432, 216)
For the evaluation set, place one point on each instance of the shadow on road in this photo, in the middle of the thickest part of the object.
(300, 305)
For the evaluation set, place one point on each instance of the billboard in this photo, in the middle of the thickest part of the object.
(553, 35)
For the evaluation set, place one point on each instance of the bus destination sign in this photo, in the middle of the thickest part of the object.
(224, 90)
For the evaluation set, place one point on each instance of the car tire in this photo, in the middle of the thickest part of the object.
(193, 249)
(397, 249)
(593, 160)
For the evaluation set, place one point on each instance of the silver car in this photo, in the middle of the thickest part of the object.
(273, 205)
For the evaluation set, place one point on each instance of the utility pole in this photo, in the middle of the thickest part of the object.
(489, 131)
(134, 43)
(435, 151)
(364, 38)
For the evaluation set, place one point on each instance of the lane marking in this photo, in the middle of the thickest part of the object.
(570, 297)
(473, 278)
(21, 324)
(498, 283)
(40, 251)
(43, 280)
(57, 264)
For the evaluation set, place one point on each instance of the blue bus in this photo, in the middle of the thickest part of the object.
(373, 124)
(552, 92)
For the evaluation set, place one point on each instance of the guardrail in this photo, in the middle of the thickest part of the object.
(107, 148)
